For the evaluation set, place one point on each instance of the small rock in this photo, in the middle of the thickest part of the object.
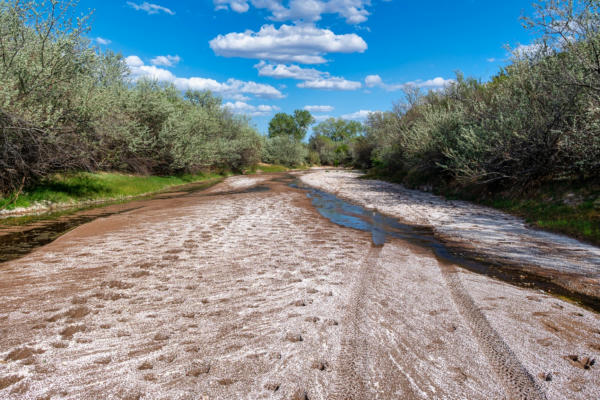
(545, 376)
(580, 362)
(293, 337)
(320, 365)
(161, 336)
(145, 366)
(199, 368)
(299, 303)
(272, 386)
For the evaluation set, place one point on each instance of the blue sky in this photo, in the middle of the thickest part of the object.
(346, 57)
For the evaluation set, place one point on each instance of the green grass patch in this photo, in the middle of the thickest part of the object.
(562, 206)
(270, 168)
(567, 207)
(275, 168)
(84, 186)
(580, 219)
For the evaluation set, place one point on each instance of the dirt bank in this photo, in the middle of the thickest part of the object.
(235, 293)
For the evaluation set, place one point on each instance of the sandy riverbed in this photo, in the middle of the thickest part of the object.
(494, 235)
(255, 295)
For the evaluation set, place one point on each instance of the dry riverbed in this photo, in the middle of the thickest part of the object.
(244, 291)
(481, 231)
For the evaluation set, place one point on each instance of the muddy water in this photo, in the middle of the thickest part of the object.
(384, 229)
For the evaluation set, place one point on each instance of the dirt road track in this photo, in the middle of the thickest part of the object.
(254, 295)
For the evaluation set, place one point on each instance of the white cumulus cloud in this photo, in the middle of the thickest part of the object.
(319, 109)
(358, 115)
(102, 41)
(240, 107)
(313, 78)
(304, 44)
(150, 8)
(232, 88)
(438, 82)
(331, 83)
(239, 6)
(372, 81)
(133, 61)
(166, 61)
(281, 71)
(353, 11)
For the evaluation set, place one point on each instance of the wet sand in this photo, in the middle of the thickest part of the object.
(235, 293)
(481, 232)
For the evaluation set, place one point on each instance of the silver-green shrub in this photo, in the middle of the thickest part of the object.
(65, 106)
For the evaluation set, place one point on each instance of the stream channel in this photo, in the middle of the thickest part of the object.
(382, 228)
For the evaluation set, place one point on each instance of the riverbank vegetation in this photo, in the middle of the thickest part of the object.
(526, 141)
(66, 107)
(81, 187)
(533, 129)
(536, 121)
(332, 141)
(284, 144)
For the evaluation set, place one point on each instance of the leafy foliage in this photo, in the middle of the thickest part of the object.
(333, 140)
(65, 106)
(294, 126)
(537, 120)
(285, 150)
(338, 129)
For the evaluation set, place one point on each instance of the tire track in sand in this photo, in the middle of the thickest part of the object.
(352, 366)
(515, 378)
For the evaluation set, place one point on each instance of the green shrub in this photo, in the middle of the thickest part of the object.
(65, 106)
(284, 150)
(537, 120)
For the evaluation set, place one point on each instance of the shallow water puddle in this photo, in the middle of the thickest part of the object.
(18, 244)
(383, 229)
(352, 216)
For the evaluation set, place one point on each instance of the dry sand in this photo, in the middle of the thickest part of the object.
(255, 295)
